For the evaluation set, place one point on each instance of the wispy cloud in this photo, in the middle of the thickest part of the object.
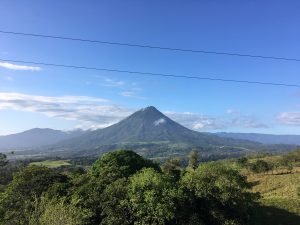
(290, 118)
(9, 78)
(90, 112)
(196, 121)
(201, 122)
(11, 66)
(239, 119)
(127, 93)
(128, 89)
(94, 112)
(108, 82)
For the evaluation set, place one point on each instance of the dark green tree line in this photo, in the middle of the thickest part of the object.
(124, 188)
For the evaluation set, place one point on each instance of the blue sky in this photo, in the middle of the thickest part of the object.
(32, 96)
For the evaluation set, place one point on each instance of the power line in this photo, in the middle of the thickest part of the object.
(149, 73)
(150, 46)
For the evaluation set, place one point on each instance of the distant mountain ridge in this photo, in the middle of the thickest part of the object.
(35, 137)
(145, 125)
(264, 138)
(147, 131)
(152, 134)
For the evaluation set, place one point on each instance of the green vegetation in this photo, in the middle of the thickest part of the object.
(277, 179)
(278, 197)
(125, 188)
(193, 159)
(3, 160)
(122, 187)
(52, 164)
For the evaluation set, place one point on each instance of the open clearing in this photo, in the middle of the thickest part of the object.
(52, 164)
(281, 204)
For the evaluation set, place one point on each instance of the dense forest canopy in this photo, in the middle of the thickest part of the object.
(122, 187)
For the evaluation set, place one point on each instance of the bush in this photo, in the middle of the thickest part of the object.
(218, 193)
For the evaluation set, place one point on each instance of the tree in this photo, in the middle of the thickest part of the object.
(287, 161)
(172, 167)
(290, 168)
(119, 164)
(260, 166)
(242, 162)
(86, 194)
(3, 160)
(217, 194)
(193, 159)
(114, 204)
(28, 183)
(89, 189)
(151, 197)
(54, 211)
(3, 171)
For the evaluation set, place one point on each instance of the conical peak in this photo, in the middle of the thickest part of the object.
(150, 108)
(148, 115)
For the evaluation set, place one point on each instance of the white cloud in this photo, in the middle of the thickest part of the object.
(202, 122)
(90, 112)
(127, 89)
(159, 121)
(127, 93)
(233, 112)
(239, 119)
(94, 112)
(113, 83)
(196, 121)
(290, 118)
(11, 66)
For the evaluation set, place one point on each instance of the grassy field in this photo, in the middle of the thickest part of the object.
(280, 202)
(52, 164)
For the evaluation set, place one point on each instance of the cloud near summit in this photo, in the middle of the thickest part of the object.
(93, 112)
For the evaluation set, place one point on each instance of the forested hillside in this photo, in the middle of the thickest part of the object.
(122, 187)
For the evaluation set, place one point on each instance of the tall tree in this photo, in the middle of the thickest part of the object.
(172, 167)
(152, 197)
(193, 159)
(119, 164)
(114, 207)
(217, 194)
(3, 160)
(28, 183)
(93, 188)
(55, 211)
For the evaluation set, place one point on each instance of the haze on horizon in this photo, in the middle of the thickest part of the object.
(63, 98)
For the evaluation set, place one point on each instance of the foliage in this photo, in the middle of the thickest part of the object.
(119, 164)
(28, 183)
(151, 197)
(260, 166)
(92, 188)
(193, 159)
(242, 162)
(114, 204)
(55, 212)
(3, 160)
(172, 167)
(218, 193)
(124, 188)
